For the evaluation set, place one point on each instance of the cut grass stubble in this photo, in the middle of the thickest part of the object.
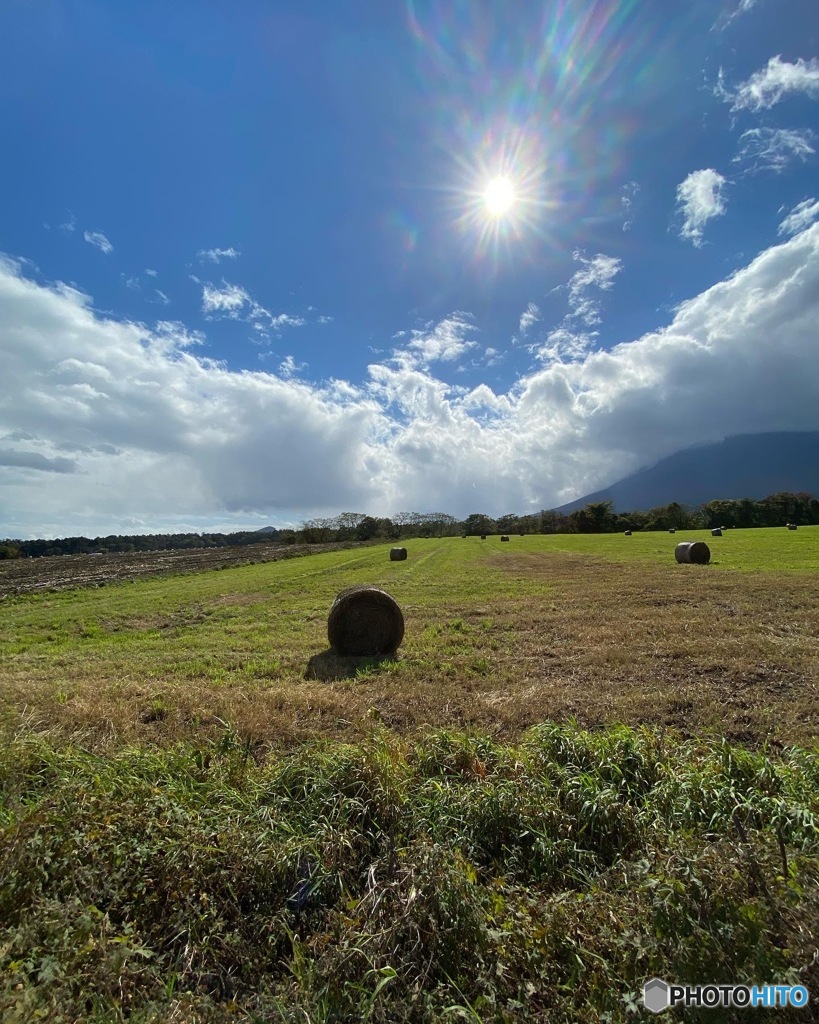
(497, 639)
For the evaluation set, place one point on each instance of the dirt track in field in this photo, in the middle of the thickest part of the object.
(62, 572)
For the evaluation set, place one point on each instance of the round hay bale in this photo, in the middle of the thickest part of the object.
(365, 620)
(627, 533)
(483, 536)
(504, 537)
(717, 532)
(791, 526)
(398, 554)
(695, 551)
(672, 530)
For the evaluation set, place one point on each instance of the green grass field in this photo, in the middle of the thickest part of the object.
(206, 816)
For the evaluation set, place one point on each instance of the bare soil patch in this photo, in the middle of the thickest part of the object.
(61, 572)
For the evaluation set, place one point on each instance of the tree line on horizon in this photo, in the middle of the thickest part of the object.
(596, 517)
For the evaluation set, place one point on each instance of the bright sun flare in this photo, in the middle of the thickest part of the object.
(499, 196)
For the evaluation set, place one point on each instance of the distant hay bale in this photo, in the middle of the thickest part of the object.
(365, 620)
(483, 536)
(717, 532)
(791, 526)
(627, 533)
(672, 530)
(695, 551)
(504, 537)
(398, 554)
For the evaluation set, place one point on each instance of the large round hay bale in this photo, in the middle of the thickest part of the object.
(483, 536)
(627, 533)
(695, 551)
(398, 554)
(716, 532)
(504, 537)
(365, 620)
(791, 526)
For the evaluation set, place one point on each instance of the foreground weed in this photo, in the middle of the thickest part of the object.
(456, 878)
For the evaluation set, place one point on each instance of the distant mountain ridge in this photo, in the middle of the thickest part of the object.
(744, 466)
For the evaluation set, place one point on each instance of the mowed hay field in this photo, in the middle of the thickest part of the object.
(207, 818)
(498, 637)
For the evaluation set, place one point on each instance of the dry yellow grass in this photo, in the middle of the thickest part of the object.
(496, 639)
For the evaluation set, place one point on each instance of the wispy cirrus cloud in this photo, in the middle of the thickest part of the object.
(726, 19)
(529, 317)
(217, 255)
(800, 217)
(628, 197)
(700, 198)
(98, 240)
(575, 336)
(774, 149)
(596, 275)
(771, 84)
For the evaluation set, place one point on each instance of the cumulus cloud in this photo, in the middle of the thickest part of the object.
(771, 84)
(156, 431)
(217, 255)
(800, 217)
(774, 149)
(97, 239)
(700, 198)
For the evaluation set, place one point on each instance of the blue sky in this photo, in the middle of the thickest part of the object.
(251, 275)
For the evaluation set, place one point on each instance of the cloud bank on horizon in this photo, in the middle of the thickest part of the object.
(114, 421)
(383, 336)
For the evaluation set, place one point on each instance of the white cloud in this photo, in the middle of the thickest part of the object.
(162, 297)
(150, 273)
(98, 239)
(444, 342)
(597, 273)
(71, 224)
(228, 299)
(574, 336)
(700, 198)
(777, 79)
(773, 149)
(286, 320)
(564, 344)
(743, 8)
(530, 316)
(800, 217)
(628, 196)
(235, 302)
(217, 255)
(289, 367)
(153, 432)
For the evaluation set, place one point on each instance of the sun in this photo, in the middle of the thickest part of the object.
(499, 196)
